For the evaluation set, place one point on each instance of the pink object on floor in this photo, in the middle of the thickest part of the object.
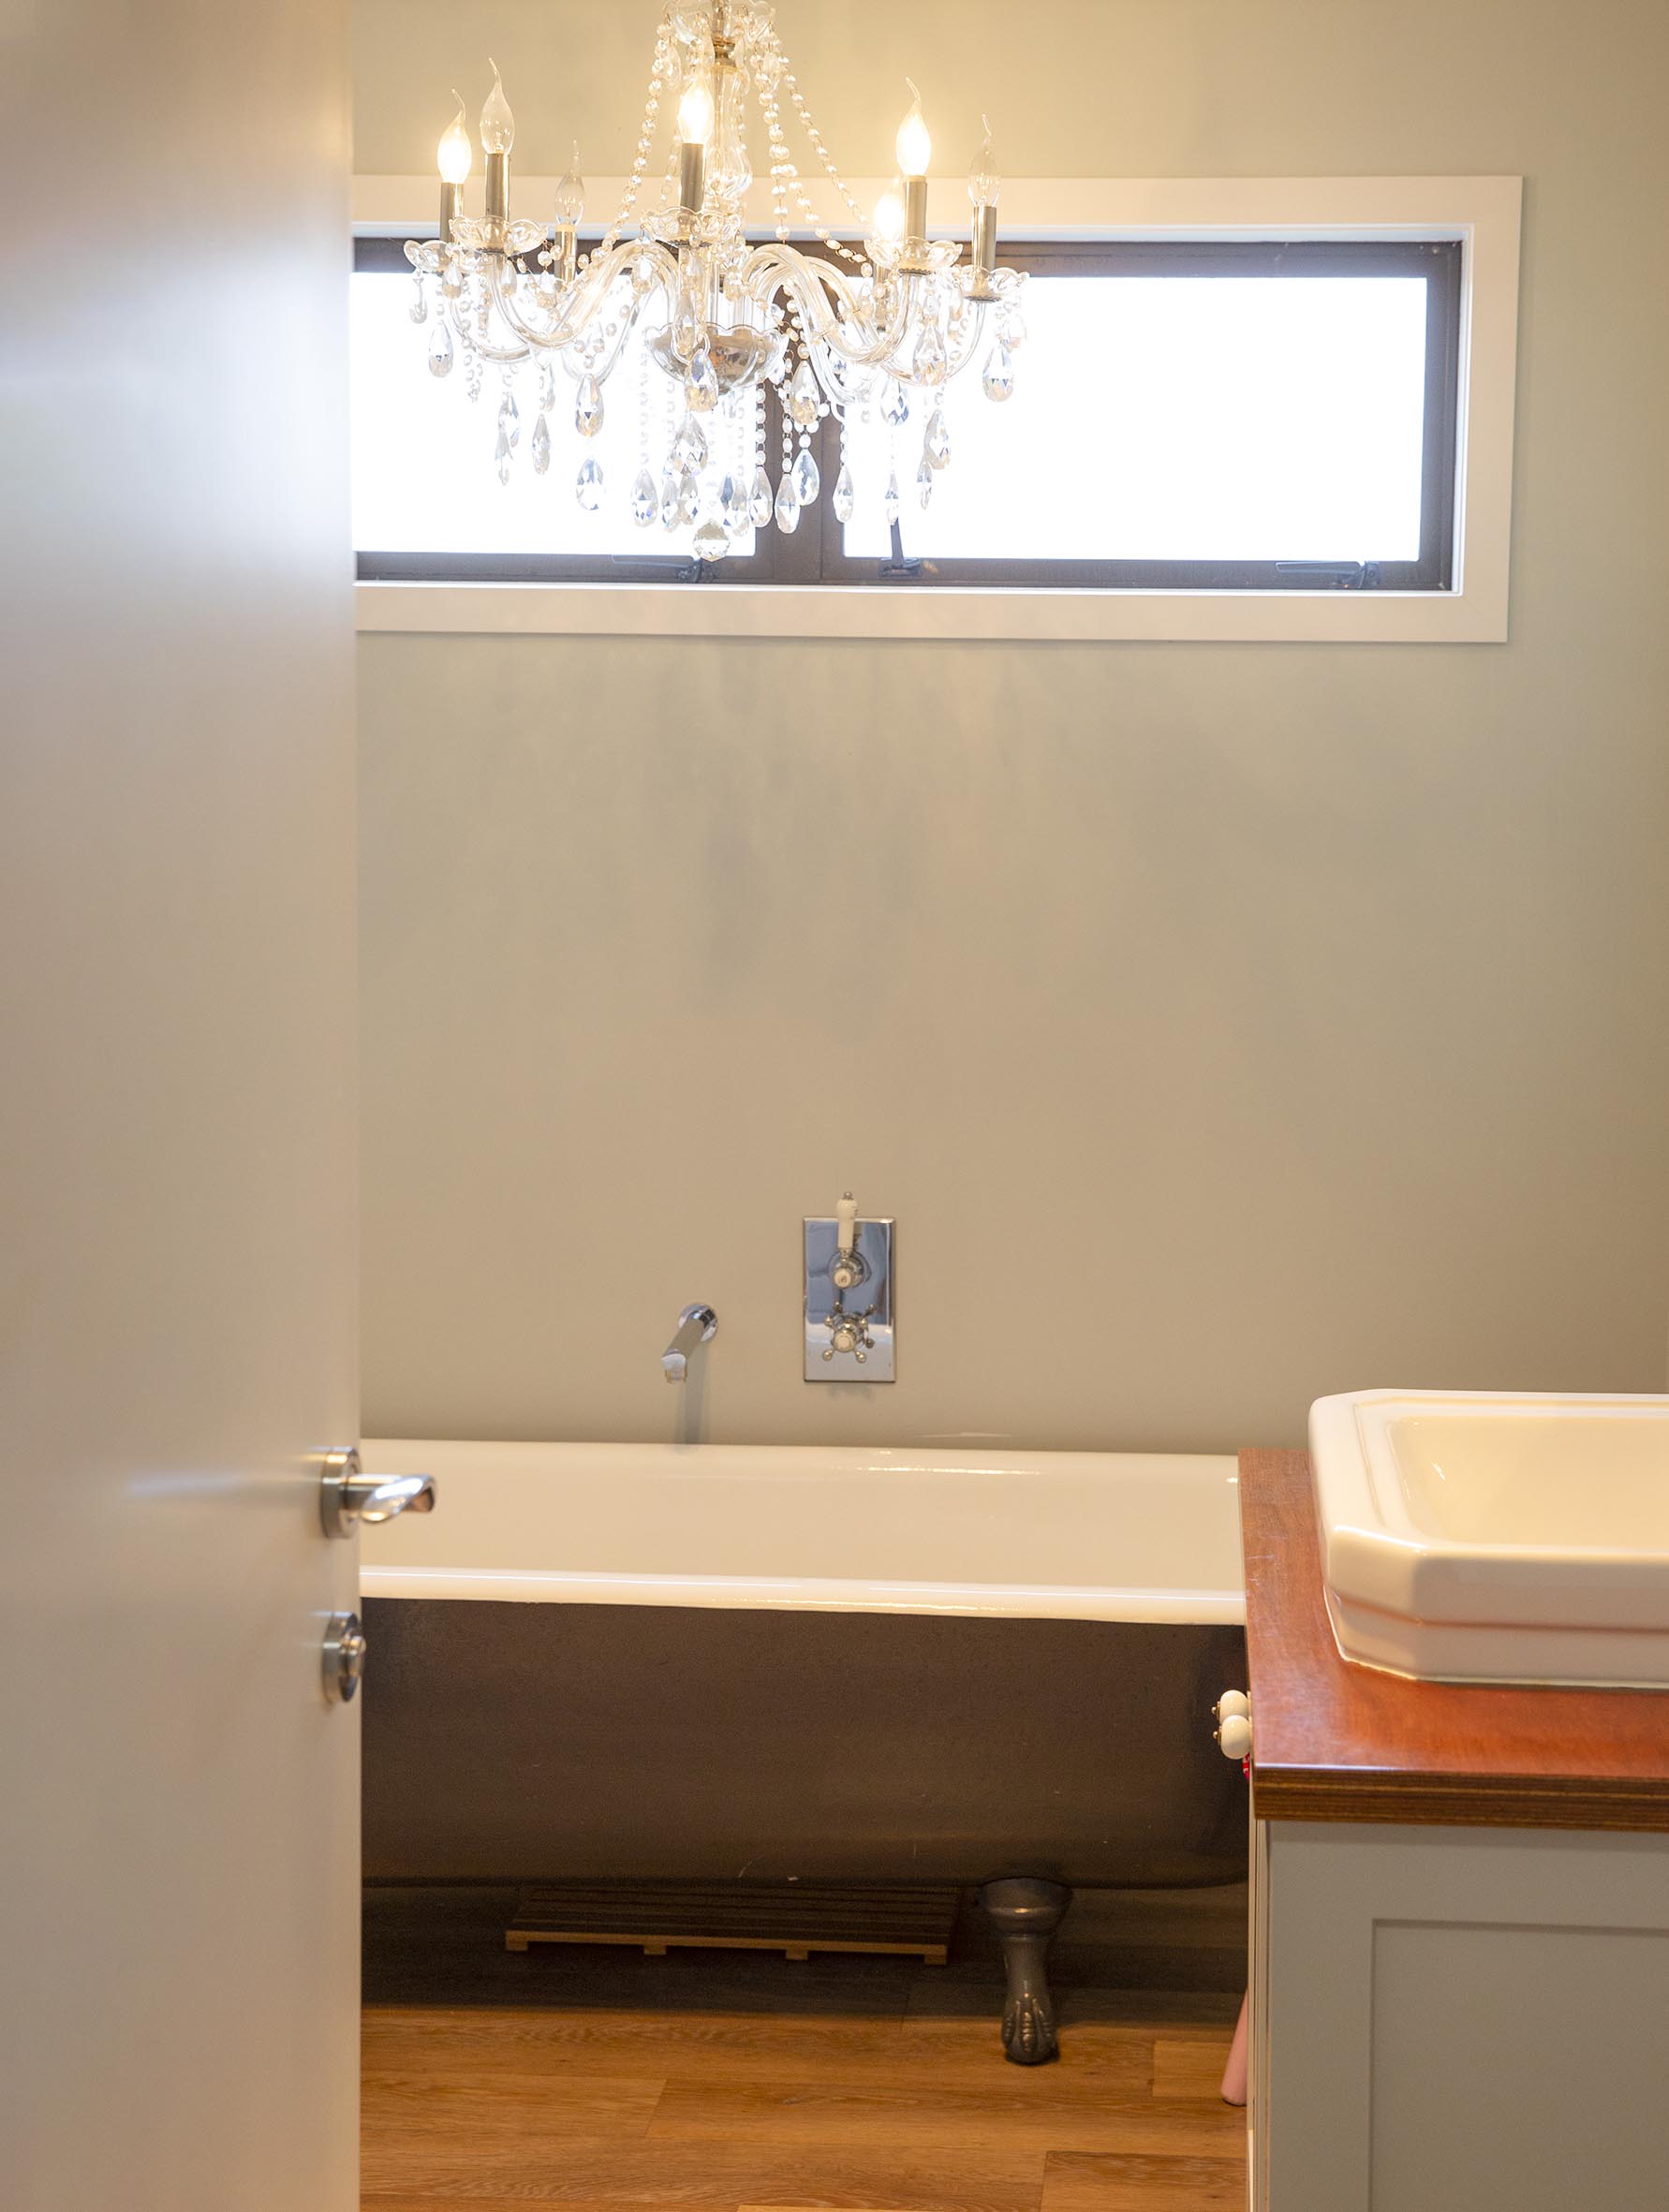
(1234, 2073)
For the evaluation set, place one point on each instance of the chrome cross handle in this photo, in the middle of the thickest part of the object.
(849, 1332)
(347, 1497)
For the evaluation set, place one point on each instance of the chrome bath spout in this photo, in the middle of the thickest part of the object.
(697, 1324)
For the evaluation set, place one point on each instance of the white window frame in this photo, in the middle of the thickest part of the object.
(1483, 213)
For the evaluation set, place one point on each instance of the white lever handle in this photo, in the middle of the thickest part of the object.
(846, 1270)
(846, 1217)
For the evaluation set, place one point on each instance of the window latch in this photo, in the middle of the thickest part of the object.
(899, 568)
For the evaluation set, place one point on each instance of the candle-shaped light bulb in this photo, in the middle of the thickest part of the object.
(983, 184)
(571, 193)
(915, 147)
(695, 112)
(455, 152)
(498, 126)
(889, 214)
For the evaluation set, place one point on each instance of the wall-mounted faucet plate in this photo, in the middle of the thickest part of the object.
(848, 1332)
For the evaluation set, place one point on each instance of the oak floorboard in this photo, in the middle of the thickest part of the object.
(733, 2048)
(1188, 2065)
(846, 2178)
(1092, 2181)
(1019, 2108)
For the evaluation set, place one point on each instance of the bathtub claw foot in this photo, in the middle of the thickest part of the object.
(1026, 1914)
(1028, 2037)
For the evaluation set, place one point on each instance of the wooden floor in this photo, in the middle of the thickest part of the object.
(721, 2083)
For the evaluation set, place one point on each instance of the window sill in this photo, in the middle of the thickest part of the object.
(937, 611)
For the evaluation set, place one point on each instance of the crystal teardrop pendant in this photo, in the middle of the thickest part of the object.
(441, 348)
(669, 501)
(588, 485)
(894, 403)
(712, 541)
(930, 356)
(760, 500)
(788, 506)
(702, 386)
(845, 498)
(509, 419)
(937, 445)
(808, 482)
(690, 497)
(645, 501)
(1010, 328)
(588, 408)
(732, 505)
(802, 396)
(999, 374)
(501, 457)
(892, 502)
(419, 310)
(547, 389)
(541, 446)
(925, 479)
(689, 448)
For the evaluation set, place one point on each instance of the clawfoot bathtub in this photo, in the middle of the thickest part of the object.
(624, 1661)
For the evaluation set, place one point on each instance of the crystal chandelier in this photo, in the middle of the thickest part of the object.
(881, 320)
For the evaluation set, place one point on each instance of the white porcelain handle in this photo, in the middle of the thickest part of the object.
(1233, 1715)
(1234, 1737)
(846, 1273)
(846, 1217)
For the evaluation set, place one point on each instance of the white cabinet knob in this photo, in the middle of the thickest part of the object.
(1234, 1736)
(1233, 1715)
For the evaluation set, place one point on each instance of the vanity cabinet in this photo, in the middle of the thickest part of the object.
(1460, 1919)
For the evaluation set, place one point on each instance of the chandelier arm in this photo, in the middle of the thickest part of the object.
(811, 284)
(602, 370)
(842, 384)
(468, 331)
(975, 328)
(587, 294)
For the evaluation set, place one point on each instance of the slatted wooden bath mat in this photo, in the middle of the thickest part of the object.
(793, 1917)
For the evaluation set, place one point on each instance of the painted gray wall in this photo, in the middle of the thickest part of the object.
(1230, 1024)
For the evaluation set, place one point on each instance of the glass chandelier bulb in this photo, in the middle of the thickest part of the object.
(889, 215)
(498, 126)
(915, 147)
(695, 112)
(454, 154)
(571, 192)
(983, 184)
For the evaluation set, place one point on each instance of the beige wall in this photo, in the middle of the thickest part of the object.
(1232, 1023)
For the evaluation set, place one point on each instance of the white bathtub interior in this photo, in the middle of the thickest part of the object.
(1047, 1535)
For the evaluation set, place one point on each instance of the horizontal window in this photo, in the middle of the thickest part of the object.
(1183, 415)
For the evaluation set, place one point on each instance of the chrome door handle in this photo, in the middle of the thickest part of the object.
(346, 1497)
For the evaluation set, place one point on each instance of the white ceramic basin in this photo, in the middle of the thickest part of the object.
(1488, 1537)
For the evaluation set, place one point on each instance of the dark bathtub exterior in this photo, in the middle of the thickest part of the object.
(544, 1741)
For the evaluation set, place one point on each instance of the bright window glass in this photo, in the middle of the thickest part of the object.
(423, 473)
(1175, 418)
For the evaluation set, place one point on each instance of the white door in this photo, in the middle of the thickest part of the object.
(178, 1803)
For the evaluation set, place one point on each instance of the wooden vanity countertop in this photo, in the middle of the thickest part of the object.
(1337, 1742)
